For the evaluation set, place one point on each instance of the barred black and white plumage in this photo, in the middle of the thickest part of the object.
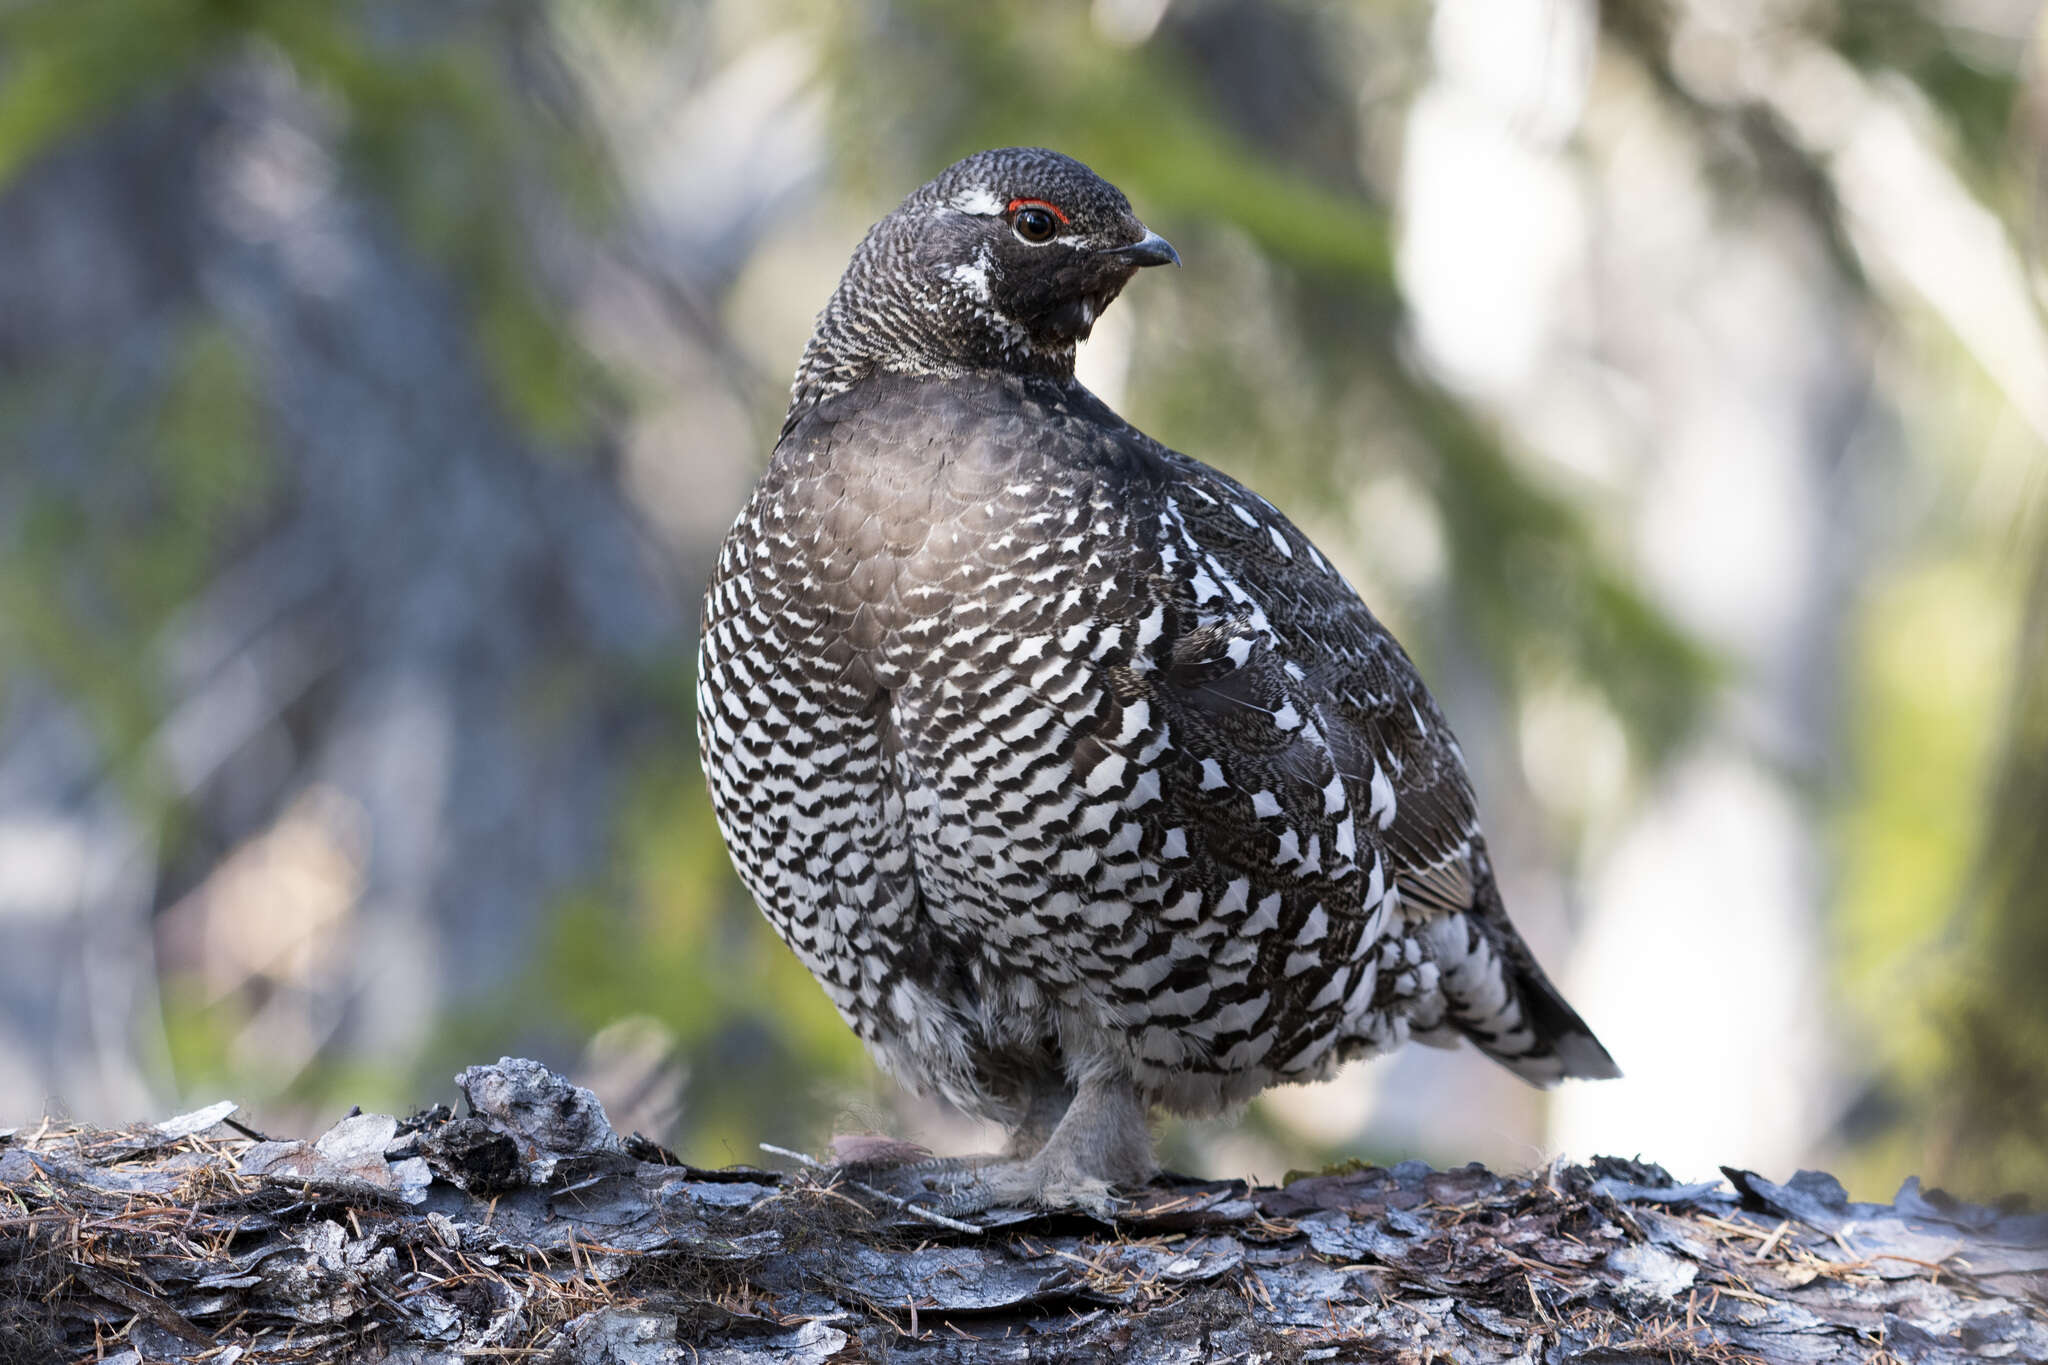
(1078, 777)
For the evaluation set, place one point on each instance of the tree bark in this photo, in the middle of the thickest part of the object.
(529, 1230)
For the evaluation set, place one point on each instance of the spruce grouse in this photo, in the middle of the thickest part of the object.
(1081, 781)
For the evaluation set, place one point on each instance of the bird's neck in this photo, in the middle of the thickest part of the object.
(827, 371)
(884, 320)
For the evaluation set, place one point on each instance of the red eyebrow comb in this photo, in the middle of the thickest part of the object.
(1054, 209)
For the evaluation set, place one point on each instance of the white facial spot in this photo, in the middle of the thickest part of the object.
(974, 277)
(978, 201)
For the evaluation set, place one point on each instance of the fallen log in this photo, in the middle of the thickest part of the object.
(529, 1230)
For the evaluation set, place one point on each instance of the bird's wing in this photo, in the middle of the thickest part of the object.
(1243, 569)
(1397, 758)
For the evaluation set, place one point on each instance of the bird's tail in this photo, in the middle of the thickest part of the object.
(1498, 997)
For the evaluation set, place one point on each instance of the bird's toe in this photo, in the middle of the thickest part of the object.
(1090, 1196)
(1021, 1185)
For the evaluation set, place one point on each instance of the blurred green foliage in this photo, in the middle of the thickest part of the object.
(1976, 92)
(429, 112)
(1993, 1125)
(104, 555)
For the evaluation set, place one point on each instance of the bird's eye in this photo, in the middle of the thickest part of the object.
(1034, 224)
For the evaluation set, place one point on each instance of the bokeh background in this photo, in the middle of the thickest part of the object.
(377, 378)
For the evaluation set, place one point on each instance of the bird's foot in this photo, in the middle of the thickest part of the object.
(947, 1165)
(912, 1174)
(975, 1184)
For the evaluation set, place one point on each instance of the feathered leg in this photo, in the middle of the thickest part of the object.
(1102, 1141)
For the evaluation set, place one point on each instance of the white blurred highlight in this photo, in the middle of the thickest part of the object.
(1703, 969)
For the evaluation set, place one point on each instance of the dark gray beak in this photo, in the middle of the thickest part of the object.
(1151, 249)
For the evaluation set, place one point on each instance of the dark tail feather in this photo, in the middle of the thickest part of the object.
(1496, 996)
(1568, 1046)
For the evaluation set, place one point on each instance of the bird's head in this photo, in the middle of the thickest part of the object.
(1004, 261)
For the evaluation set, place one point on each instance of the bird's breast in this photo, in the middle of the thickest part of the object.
(913, 550)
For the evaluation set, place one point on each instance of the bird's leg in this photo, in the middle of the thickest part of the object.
(1051, 1097)
(1045, 1105)
(1102, 1141)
